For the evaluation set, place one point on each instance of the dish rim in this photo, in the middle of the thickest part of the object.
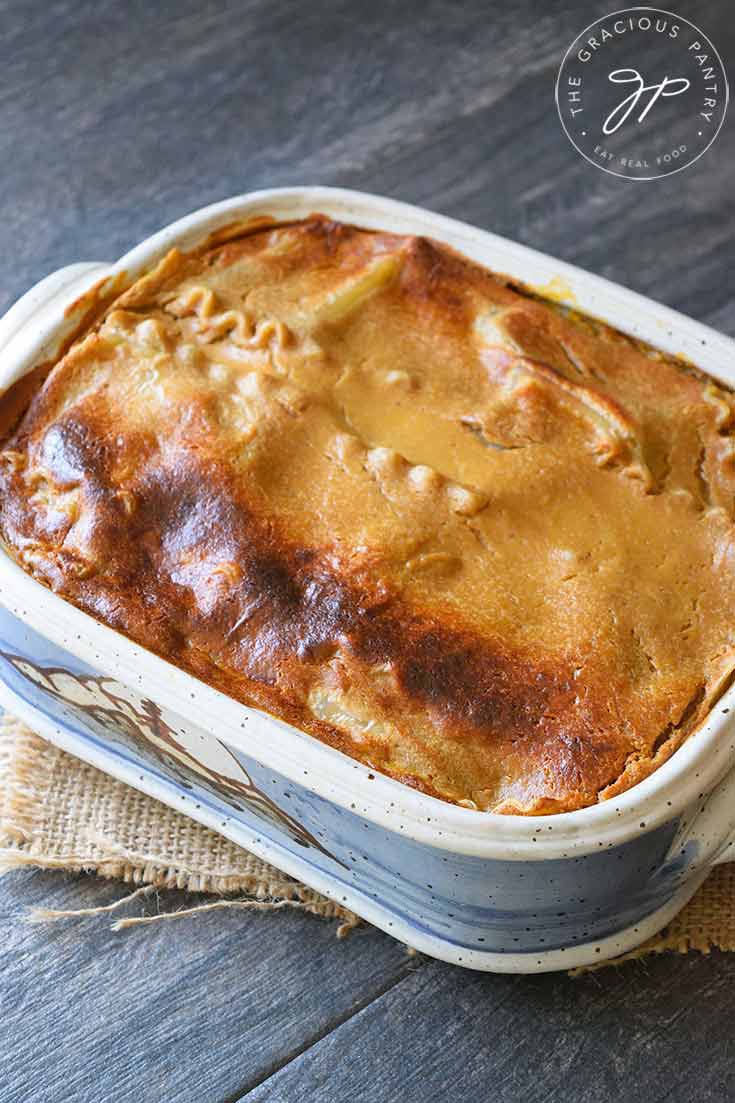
(693, 769)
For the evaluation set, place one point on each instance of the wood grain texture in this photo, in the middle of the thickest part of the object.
(114, 120)
(117, 118)
(191, 1011)
(647, 1034)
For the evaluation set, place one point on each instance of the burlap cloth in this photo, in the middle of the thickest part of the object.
(57, 812)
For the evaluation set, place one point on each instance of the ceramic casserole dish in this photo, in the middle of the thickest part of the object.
(503, 893)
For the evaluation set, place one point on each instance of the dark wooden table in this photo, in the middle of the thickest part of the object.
(116, 118)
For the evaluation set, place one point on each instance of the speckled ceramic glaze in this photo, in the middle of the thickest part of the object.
(503, 893)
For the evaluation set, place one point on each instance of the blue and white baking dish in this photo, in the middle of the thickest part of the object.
(503, 893)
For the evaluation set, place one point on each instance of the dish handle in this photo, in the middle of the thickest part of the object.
(710, 831)
(65, 284)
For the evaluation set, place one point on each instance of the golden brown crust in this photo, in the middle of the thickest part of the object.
(479, 542)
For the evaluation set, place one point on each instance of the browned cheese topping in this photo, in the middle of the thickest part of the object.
(474, 540)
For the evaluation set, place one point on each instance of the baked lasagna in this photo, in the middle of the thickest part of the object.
(467, 536)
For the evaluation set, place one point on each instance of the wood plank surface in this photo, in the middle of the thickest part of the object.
(644, 1034)
(116, 118)
(188, 1010)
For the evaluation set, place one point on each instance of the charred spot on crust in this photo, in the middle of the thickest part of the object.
(72, 452)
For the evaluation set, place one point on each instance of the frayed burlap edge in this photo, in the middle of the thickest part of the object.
(46, 793)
